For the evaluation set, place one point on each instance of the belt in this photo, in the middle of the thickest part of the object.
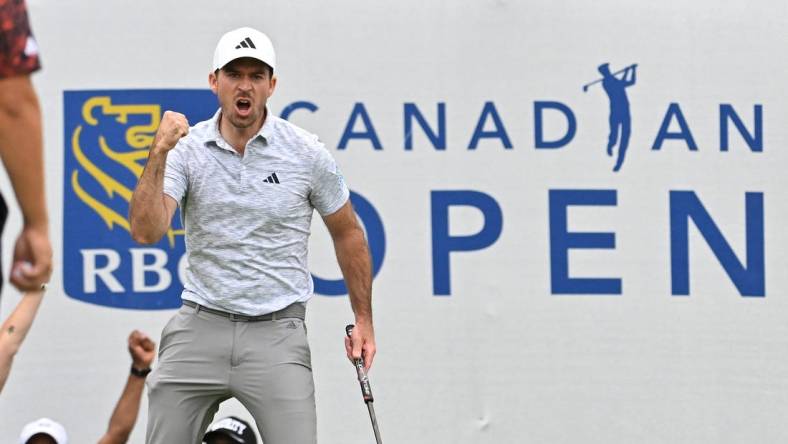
(294, 310)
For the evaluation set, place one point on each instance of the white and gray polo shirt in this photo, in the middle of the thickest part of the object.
(247, 218)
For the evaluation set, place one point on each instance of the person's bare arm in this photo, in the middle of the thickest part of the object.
(21, 149)
(142, 350)
(356, 265)
(150, 210)
(15, 329)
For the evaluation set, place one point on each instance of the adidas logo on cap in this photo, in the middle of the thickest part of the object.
(246, 43)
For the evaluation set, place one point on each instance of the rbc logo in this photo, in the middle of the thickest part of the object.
(107, 139)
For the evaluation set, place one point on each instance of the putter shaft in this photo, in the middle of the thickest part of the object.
(374, 423)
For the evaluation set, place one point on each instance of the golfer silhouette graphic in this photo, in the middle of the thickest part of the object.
(620, 119)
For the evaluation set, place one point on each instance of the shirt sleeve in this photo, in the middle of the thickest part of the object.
(175, 178)
(329, 191)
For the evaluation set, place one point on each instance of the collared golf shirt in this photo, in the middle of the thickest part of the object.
(247, 217)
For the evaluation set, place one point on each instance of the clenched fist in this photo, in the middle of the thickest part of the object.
(142, 349)
(173, 126)
(32, 259)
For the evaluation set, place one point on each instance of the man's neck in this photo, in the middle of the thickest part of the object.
(239, 137)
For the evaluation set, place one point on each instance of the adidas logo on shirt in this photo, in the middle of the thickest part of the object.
(272, 179)
(246, 43)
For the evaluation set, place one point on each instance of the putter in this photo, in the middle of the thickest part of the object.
(366, 389)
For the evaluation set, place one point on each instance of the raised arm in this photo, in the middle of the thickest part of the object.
(632, 71)
(356, 265)
(142, 350)
(15, 329)
(150, 210)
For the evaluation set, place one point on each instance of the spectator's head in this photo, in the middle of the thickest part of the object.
(230, 430)
(43, 431)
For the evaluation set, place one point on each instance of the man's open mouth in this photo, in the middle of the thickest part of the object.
(243, 105)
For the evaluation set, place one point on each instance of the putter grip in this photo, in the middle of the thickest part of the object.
(363, 380)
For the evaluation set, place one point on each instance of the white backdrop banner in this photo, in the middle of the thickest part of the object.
(574, 211)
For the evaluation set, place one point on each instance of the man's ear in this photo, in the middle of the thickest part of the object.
(273, 86)
(213, 81)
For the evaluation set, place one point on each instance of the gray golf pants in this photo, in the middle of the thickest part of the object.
(206, 358)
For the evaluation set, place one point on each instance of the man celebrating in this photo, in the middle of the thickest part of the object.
(247, 183)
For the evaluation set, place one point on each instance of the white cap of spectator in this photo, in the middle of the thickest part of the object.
(46, 427)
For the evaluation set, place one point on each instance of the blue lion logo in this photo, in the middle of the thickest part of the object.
(107, 139)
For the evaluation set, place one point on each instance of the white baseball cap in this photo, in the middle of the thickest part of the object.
(244, 42)
(45, 426)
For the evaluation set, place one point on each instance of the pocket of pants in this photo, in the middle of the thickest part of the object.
(294, 330)
(169, 328)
